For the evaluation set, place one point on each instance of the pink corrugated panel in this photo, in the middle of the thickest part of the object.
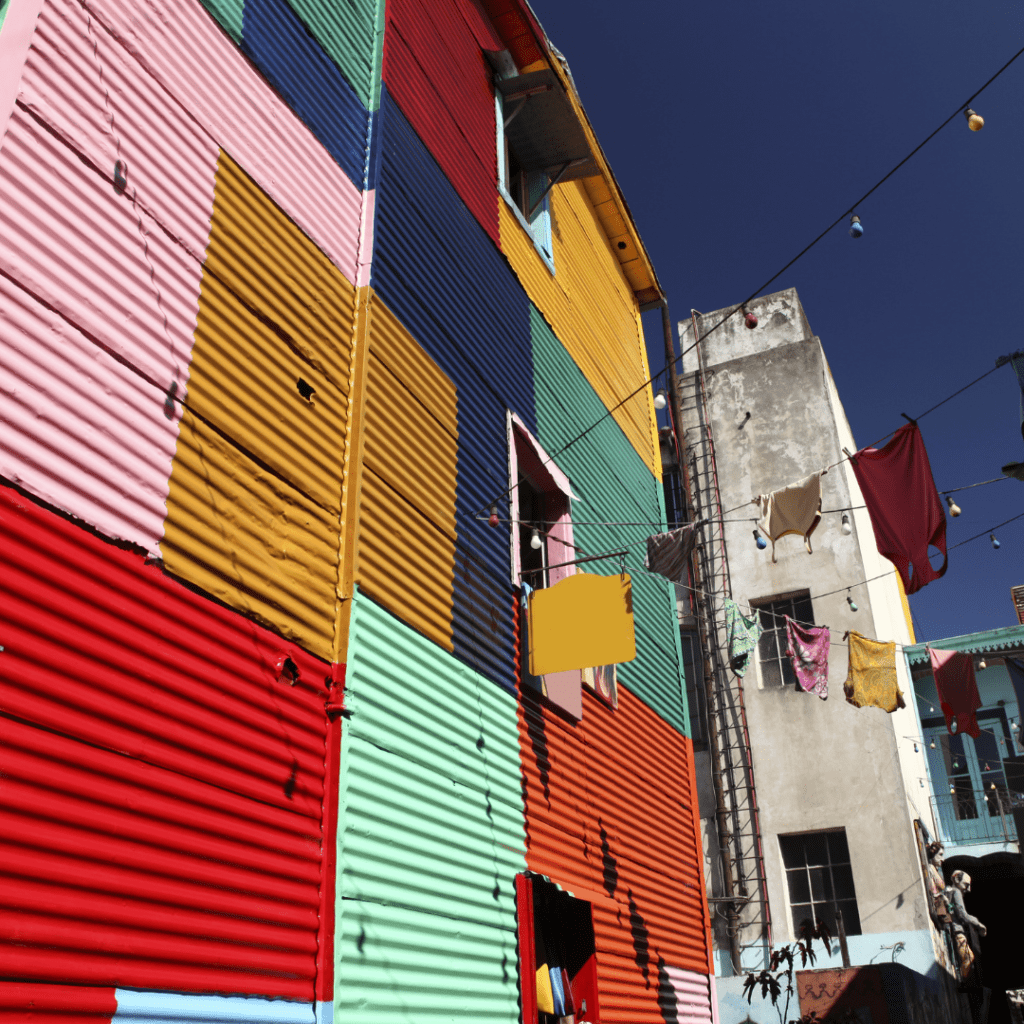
(79, 429)
(93, 255)
(183, 48)
(91, 92)
(693, 995)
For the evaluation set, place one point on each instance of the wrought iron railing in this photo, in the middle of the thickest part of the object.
(970, 818)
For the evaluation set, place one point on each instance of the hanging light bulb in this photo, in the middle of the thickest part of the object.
(993, 784)
(847, 526)
(952, 789)
(995, 543)
(760, 541)
(987, 769)
(535, 542)
(750, 320)
(932, 744)
(1015, 726)
(931, 709)
(916, 751)
(660, 401)
(492, 519)
(850, 601)
(954, 508)
(982, 664)
(921, 781)
(974, 121)
(856, 228)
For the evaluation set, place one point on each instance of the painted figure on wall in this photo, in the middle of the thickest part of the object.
(937, 883)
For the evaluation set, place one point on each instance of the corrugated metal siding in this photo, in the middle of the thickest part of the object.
(590, 306)
(609, 816)
(435, 70)
(432, 833)
(616, 487)
(183, 49)
(230, 14)
(475, 326)
(351, 34)
(253, 512)
(163, 779)
(406, 553)
(519, 30)
(311, 84)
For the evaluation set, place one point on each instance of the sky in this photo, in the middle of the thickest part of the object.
(738, 131)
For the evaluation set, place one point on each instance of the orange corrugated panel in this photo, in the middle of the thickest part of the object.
(632, 787)
(591, 307)
(406, 547)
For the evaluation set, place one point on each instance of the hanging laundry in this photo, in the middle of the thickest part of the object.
(743, 634)
(668, 554)
(958, 690)
(808, 647)
(871, 679)
(793, 509)
(904, 505)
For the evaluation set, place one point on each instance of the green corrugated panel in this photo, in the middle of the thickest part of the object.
(230, 15)
(615, 486)
(431, 833)
(351, 31)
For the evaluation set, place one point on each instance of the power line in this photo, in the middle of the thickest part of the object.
(778, 274)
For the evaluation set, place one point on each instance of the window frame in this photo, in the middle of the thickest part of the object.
(539, 227)
(811, 902)
(776, 634)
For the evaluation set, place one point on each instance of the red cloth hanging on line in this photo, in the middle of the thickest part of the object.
(957, 688)
(905, 508)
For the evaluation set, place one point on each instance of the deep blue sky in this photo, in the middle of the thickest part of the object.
(738, 131)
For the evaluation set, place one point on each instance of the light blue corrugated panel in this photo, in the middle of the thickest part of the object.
(432, 835)
(141, 1007)
(615, 487)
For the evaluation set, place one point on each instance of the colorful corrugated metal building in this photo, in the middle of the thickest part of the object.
(293, 295)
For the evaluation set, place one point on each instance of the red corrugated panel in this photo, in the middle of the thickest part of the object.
(622, 833)
(163, 777)
(28, 1003)
(518, 28)
(435, 69)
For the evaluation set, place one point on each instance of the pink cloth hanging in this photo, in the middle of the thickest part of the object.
(958, 690)
(807, 647)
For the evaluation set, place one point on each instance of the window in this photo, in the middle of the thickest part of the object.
(693, 669)
(557, 966)
(820, 879)
(603, 680)
(526, 191)
(774, 665)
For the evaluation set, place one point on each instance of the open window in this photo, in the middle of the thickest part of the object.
(557, 964)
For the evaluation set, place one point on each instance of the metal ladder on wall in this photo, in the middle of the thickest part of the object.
(742, 909)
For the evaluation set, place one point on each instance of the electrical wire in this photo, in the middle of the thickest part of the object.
(738, 308)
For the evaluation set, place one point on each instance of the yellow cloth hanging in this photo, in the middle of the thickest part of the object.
(545, 998)
(871, 679)
(581, 622)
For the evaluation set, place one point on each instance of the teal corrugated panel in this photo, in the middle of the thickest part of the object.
(432, 817)
(615, 486)
(352, 33)
(230, 14)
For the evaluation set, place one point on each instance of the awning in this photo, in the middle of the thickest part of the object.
(542, 128)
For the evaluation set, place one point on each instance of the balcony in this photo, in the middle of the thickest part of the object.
(972, 819)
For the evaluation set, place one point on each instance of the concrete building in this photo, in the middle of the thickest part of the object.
(808, 806)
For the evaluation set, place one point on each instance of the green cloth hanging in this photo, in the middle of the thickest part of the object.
(743, 634)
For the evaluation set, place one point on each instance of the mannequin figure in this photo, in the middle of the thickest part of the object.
(966, 927)
(937, 883)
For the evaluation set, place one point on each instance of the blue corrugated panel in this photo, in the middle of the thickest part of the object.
(616, 487)
(308, 81)
(440, 273)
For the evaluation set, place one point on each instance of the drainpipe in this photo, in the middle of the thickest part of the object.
(721, 810)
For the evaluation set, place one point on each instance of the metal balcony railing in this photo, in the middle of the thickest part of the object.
(971, 818)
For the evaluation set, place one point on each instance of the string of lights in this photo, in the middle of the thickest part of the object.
(975, 122)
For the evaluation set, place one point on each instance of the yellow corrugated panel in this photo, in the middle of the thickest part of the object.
(591, 308)
(245, 380)
(274, 268)
(250, 539)
(406, 554)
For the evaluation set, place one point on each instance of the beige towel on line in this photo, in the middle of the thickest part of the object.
(793, 509)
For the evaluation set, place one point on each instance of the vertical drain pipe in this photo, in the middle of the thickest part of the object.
(721, 811)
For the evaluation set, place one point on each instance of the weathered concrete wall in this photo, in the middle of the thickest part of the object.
(817, 764)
